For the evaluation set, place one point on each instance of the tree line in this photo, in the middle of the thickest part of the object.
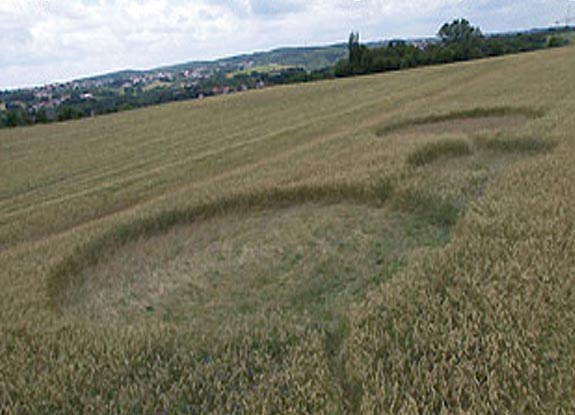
(457, 41)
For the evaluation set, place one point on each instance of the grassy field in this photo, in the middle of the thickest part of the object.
(392, 244)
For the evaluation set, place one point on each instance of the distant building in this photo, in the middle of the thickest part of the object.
(43, 95)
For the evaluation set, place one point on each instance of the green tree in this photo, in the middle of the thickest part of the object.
(17, 117)
(556, 41)
(460, 31)
(342, 68)
(353, 47)
(41, 116)
(357, 53)
(68, 113)
(462, 38)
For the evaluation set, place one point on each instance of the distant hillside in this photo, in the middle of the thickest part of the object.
(309, 58)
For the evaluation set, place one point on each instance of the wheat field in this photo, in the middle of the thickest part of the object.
(400, 243)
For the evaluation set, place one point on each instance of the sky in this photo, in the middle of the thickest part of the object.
(45, 41)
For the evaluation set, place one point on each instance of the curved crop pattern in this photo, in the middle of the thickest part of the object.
(427, 202)
(63, 276)
(474, 113)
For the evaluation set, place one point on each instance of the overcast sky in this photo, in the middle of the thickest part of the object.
(45, 41)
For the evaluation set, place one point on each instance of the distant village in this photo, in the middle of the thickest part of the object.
(133, 89)
(110, 93)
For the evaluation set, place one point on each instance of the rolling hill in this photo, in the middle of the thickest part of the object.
(390, 244)
(310, 58)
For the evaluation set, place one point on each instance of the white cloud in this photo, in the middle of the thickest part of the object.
(47, 40)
